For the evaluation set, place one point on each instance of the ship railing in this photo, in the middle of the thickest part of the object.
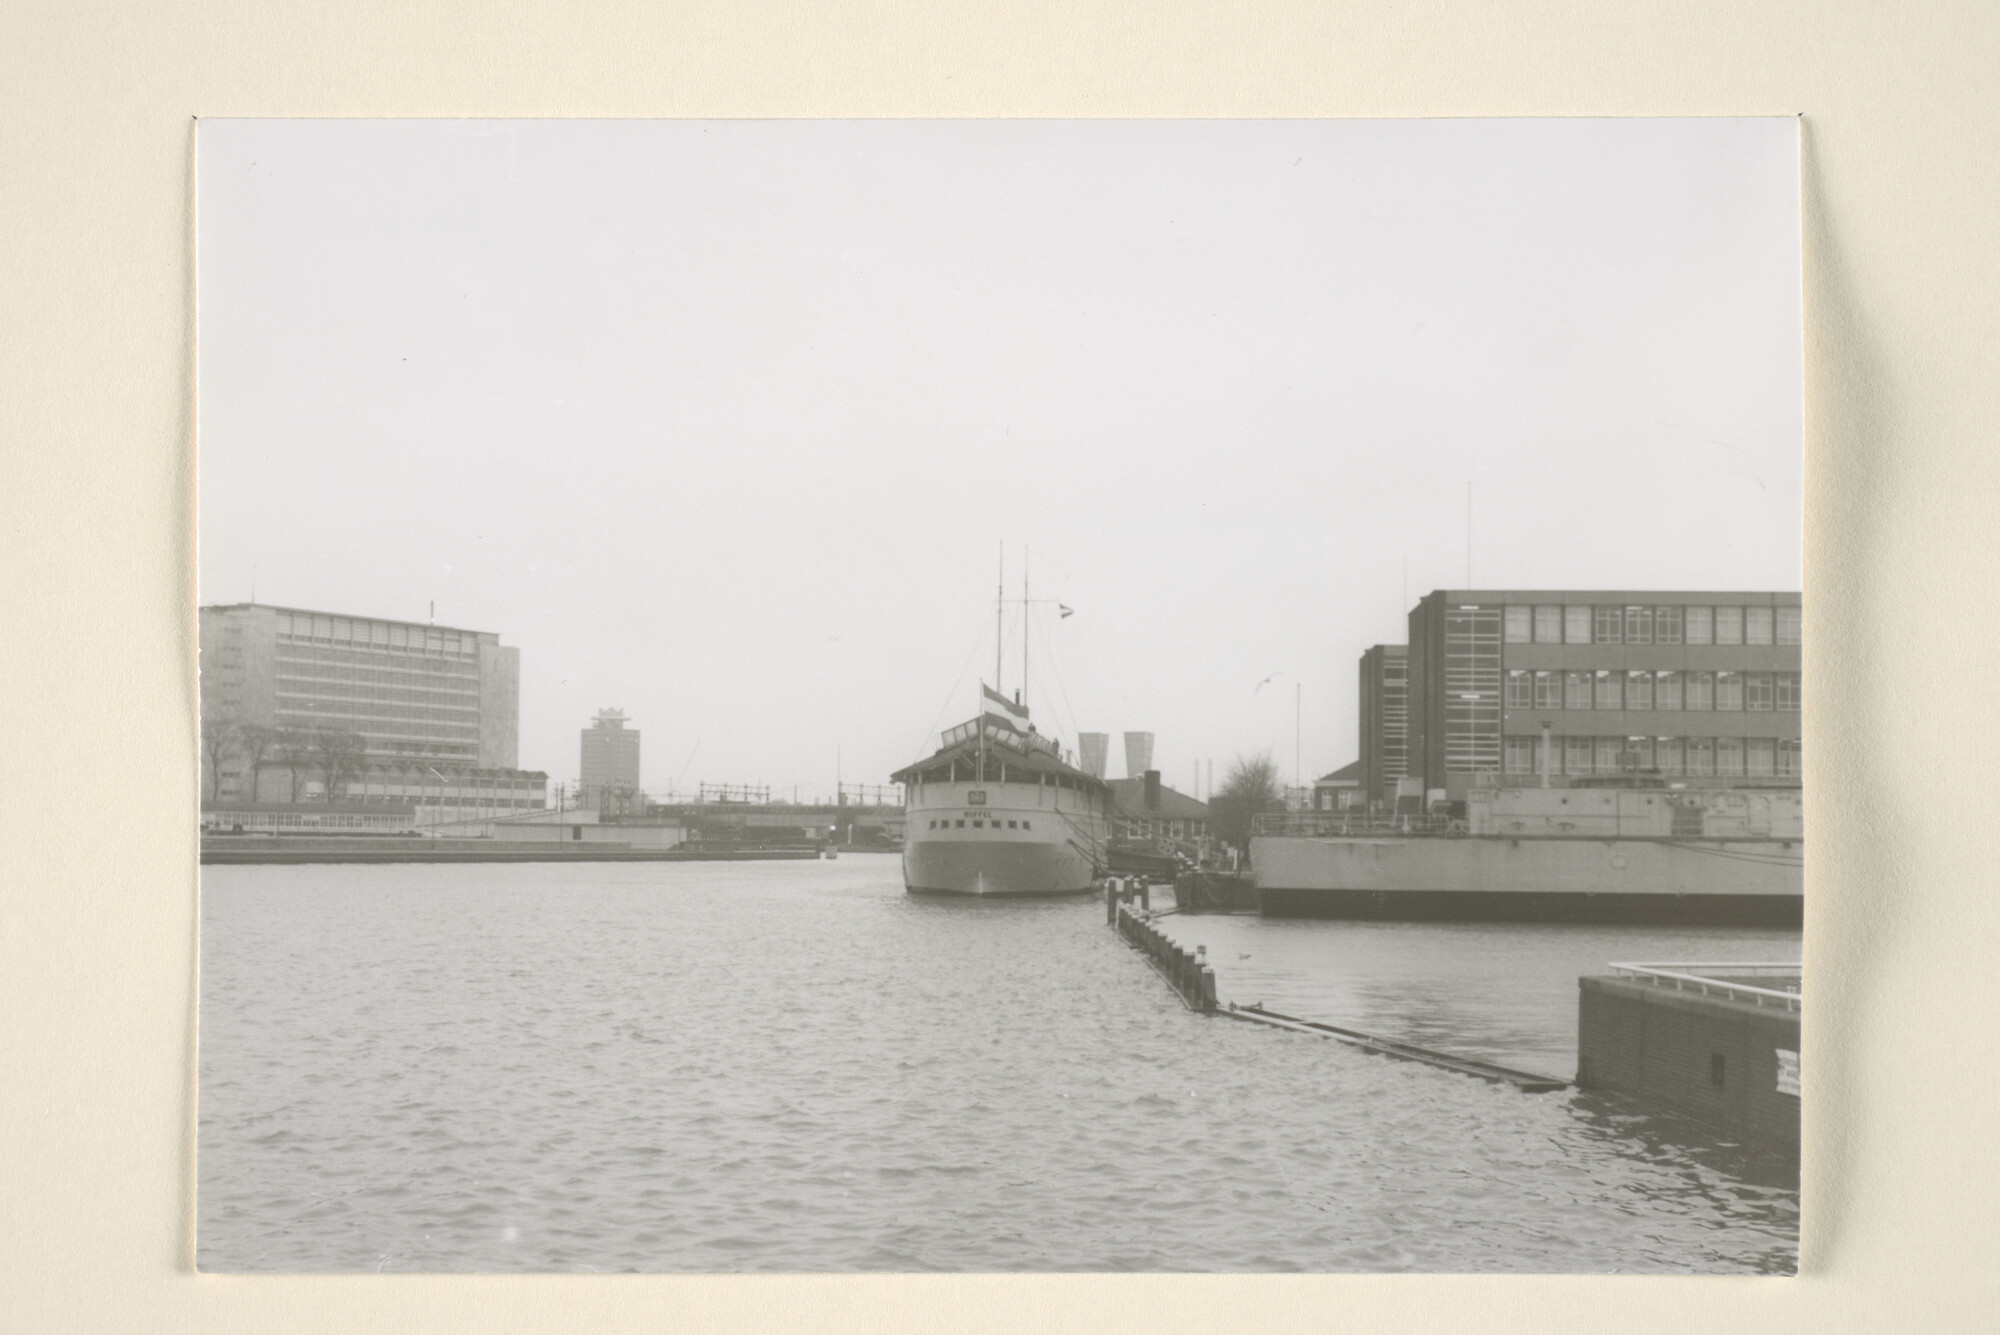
(1707, 979)
(1336, 824)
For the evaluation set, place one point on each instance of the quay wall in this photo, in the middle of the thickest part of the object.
(1714, 1058)
(1748, 882)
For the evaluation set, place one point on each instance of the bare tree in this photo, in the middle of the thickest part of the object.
(1250, 789)
(259, 746)
(294, 750)
(337, 755)
(220, 735)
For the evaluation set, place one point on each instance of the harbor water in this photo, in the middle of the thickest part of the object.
(797, 1067)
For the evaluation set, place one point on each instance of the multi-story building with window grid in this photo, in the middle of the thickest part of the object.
(416, 713)
(1510, 686)
(1385, 720)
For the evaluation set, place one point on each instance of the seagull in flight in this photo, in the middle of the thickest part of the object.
(1267, 681)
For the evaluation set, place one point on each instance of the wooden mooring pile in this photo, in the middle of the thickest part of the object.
(1128, 907)
(1126, 903)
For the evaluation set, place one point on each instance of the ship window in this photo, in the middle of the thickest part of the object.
(979, 825)
(961, 825)
(1013, 824)
(1027, 825)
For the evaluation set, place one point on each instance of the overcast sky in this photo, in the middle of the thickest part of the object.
(724, 423)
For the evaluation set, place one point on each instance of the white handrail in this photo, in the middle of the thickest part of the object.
(1681, 976)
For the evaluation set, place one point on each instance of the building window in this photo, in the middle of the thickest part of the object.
(1701, 690)
(1729, 690)
(1729, 757)
(1576, 625)
(1610, 690)
(1638, 625)
(1757, 690)
(1610, 621)
(1520, 625)
(1640, 750)
(1638, 690)
(1700, 625)
(1520, 690)
(1667, 690)
(1548, 690)
(1576, 690)
(1548, 625)
(1520, 755)
(1791, 761)
(1756, 625)
(1667, 755)
(1609, 753)
(1666, 625)
(1788, 625)
(1576, 755)
(1788, 691)
(1760, 755)
(1701, 756)
(1729, 625)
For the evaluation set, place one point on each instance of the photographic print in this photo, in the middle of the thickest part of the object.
(969, 696)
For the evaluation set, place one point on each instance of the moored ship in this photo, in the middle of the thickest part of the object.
(1624, 854)
(999, 810)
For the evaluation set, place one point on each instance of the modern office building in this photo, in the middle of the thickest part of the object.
(1529, 686)
(610, 765)
(1385, 720)
(301, 706)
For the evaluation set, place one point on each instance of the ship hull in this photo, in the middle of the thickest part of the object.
(1739, 882)
(994, 868)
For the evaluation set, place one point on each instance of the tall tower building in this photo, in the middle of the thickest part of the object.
(1096, 748)
(1385, 719)
(610, 765)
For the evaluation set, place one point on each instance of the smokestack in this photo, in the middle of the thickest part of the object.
(1138, 753)
(1152, 790)
(1096, 752)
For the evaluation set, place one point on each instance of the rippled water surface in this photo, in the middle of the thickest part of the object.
(793, 1066)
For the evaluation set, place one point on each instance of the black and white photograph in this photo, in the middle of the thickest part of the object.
(832, 696)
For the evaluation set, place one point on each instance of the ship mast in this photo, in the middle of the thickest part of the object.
(999, 612)
(1027, 610)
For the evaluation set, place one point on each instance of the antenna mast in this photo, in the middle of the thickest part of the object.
(1027, 610)
(999, 611)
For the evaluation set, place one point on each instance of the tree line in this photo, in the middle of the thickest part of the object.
(333, 755)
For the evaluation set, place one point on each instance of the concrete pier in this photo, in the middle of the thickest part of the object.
(1718, 1042)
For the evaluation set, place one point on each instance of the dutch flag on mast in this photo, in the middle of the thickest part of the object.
(997, 706)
